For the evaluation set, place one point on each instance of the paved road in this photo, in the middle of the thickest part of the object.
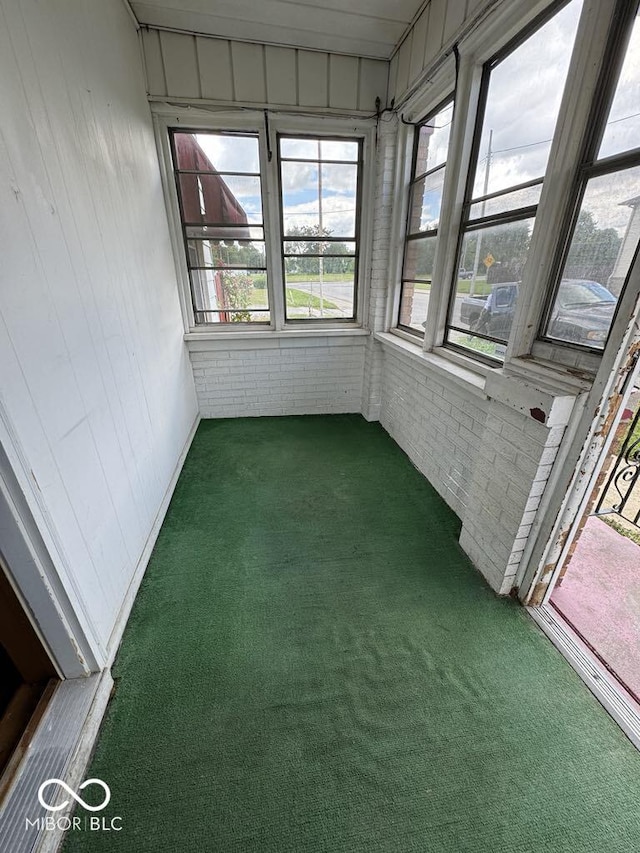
(340, 293)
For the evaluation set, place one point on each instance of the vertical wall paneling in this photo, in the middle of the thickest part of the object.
(416, 63)
(404, 56)
(248, 72)
(373, 84)
(281, 75)
(343, 81)
(153, 62)
(193, 67)
(392, 85)
(313, 78)
(435, 30)
(214, 62)
(180, 64)
(454, 18)
(96, 382)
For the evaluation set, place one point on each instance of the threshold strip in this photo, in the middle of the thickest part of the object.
(605, 687)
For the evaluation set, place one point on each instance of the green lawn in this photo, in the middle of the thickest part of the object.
(333, 276)
(301, 299)
(295, 299)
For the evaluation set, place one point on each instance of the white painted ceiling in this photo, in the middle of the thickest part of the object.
(360, 27)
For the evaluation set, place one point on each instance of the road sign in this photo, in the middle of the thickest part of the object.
(489, 260)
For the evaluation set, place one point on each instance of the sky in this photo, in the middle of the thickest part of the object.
(300, 178)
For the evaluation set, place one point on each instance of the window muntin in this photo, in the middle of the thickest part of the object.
(220, 196)
(425, 196)
(320, 199)
(606, 231)
(520, 102)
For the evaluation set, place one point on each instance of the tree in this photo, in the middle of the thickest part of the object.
(303, 251)
(593, 251)
(237, 289)
(507, 244)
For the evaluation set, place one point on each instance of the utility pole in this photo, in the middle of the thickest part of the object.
(476, 260)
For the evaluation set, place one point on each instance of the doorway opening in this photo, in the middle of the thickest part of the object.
(598, 589)
(27, 680)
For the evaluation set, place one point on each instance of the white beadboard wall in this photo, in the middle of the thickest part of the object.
(434, 33)
(97, 397)
(181, 65)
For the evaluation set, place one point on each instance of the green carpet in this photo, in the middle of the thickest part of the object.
(312, 664)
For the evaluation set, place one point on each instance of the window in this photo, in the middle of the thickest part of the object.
(319, 180)
(606, 230)
(220, 195)
(240, 249)
(520, 99)
(431, 143)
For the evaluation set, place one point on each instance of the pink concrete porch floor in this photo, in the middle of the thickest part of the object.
(600, 597)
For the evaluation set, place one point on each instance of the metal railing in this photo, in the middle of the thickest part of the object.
(621, 492)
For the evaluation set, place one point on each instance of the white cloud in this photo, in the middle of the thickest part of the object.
(338, 215)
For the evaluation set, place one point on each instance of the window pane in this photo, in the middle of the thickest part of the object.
(433, 141)
(225, 232)
(314, 247)
(229, 296)
(319, 200)
(622, 131)
(303, 149)
(522, 105)
(304, 184)
(216, 253)
(477, 345)
(426, 197)
(314, 293)
(526, 197)
(600, 255)
(418, 259)
(217, 152)
(319, 149)
(414, 304)
(230, 200)
(333, 149)
(315, 269)
(486, 291)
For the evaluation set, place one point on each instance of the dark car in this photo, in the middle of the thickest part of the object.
(582, 312)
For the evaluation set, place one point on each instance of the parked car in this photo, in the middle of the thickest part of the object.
(465, 275)
(582, 312)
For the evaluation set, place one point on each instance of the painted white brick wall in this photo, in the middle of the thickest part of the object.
(379, 271)
(280, 377)
(436, 423)
(513, 466)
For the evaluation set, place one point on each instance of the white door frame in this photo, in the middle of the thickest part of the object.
(33, 576)
(589, 437)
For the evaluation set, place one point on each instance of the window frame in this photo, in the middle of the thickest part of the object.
(467, 224)
(357, 238)
(172, 131)
(181, 118)
(589, 64)
(444, 102)
(589, 166)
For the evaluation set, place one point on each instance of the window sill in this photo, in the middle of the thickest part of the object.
(270, 338)
(470, 380)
